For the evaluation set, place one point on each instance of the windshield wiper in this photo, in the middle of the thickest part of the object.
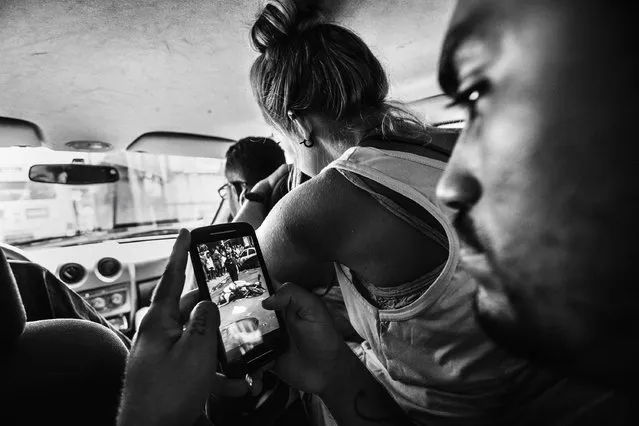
(39, 241)
(128, 225)
(148, 233)
(66, 239)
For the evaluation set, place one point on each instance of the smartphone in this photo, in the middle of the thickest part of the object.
(230, 270)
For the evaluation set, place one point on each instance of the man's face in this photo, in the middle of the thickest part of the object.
(543, 179)
(236, 189)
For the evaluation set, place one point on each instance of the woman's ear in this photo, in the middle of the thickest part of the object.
(302, 125)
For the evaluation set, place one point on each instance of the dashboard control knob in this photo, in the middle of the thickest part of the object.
(98, 303)
(117, 298)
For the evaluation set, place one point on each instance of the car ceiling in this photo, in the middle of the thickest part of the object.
(111, 70)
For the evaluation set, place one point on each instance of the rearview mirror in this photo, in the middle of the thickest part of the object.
(73, 174)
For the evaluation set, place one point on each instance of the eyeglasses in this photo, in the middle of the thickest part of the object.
(238, 186)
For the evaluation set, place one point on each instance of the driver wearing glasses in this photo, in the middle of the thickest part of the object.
(248, 161)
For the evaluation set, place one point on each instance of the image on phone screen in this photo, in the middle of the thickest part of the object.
(235, 282)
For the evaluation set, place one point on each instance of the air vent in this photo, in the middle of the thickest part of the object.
(72, 273)
(109, 267)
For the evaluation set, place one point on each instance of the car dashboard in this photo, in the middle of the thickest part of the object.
(115, 277)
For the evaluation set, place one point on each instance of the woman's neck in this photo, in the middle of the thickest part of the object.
(335, 148)
(340, 136)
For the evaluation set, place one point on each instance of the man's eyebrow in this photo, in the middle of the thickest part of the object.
(456, 36)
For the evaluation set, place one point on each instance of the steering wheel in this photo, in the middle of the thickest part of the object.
(14, 253)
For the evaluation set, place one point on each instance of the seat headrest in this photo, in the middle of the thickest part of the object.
(12, 314)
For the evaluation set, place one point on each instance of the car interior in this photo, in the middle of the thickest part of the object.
(115, 117)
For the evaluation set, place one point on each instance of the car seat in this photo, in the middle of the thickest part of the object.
(55, 371)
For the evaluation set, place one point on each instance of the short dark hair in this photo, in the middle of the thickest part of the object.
(255, 158)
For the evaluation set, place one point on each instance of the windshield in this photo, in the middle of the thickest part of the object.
(156, 194)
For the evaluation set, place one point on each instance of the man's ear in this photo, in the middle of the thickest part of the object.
(303, 126)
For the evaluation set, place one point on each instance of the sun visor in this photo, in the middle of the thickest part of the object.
(181, 144)
(14, 132)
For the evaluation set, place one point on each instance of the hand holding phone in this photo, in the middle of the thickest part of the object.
(169, 357)
(230, 270)
(316, 353)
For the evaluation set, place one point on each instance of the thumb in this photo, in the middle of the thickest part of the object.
(294, 299)
(201, 330)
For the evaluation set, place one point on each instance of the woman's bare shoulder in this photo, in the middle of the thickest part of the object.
(323, 211)
(329, 193)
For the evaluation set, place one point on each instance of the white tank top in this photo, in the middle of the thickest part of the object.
(432, 355)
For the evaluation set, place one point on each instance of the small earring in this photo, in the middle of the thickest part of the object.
(307, 143)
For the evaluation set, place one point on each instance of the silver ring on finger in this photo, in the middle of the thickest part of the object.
(250, 383)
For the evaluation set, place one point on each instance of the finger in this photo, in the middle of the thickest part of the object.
(284, 169)
(200, 335)
(281, 299)
(172, 282)
(293, 298)
(258, 387)
(281, 171)
(187, 304)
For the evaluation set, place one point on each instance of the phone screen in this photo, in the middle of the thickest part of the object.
(236, 283)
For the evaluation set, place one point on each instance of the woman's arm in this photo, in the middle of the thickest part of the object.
(252, 213)
(298, 238)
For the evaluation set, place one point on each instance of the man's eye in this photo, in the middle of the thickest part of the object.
(468, 98)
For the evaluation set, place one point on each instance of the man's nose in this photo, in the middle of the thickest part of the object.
(458, 189)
